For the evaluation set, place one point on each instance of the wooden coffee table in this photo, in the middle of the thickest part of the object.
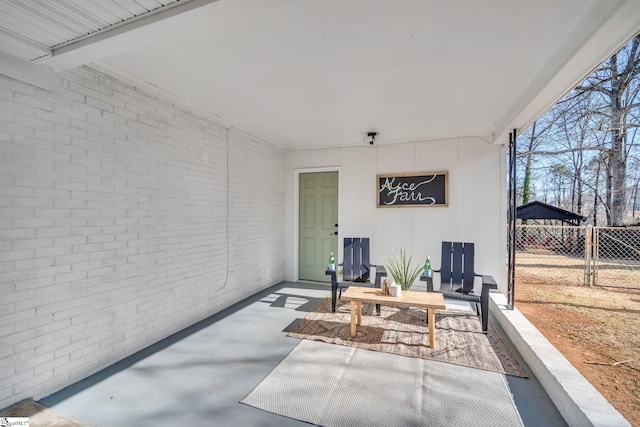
(432, 301)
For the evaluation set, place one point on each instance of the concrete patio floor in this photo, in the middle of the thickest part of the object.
(198, 376)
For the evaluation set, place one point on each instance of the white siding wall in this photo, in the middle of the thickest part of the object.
(123, 219)
(476, 211)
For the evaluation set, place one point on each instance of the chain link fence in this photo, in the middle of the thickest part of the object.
(617, 256)
(605, 256)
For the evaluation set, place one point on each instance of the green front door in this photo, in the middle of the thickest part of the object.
(318, 224)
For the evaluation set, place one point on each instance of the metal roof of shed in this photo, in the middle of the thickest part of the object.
(540, 210)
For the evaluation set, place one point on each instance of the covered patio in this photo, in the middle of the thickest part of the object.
(199, 375)
(153, 153)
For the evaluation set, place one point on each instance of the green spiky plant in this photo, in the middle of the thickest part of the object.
(402, 271)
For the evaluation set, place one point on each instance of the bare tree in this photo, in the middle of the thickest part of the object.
(560, 180)
(614, 82)
(526, 184)
(635, 176)
(575, 136)
(535, 136)
(589, 137)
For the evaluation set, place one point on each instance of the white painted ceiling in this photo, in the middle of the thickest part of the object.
(317, 73)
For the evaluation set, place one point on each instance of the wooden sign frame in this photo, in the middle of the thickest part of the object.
(422, 189)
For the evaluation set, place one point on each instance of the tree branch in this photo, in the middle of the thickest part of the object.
(611, 364)
(595, 88)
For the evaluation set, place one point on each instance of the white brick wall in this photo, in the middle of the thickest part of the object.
(123, 219)
(256, 191)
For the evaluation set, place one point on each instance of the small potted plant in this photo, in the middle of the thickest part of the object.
(401, 270)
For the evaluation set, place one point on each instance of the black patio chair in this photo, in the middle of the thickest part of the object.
(356, 269)
(457, 276)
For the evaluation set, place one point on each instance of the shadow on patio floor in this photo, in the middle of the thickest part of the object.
(199, 375)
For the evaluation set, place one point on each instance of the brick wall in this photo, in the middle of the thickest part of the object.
(123, 219)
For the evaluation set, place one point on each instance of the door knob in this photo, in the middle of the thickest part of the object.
(335, 233)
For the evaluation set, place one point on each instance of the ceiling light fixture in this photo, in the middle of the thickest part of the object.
(370, 138)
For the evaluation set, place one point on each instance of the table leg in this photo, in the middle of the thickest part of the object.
(359, 322)
(353, 318)
(431, 314)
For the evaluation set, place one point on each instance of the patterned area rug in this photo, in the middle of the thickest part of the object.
(459, 337)
(336, 386)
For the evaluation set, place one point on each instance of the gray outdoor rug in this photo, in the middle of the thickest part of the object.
(338, 386)
(459, 337)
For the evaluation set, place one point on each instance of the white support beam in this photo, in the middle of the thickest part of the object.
(132, 34)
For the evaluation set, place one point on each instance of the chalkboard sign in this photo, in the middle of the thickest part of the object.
(412, 190)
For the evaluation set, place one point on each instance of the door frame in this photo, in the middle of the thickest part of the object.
(296, 217)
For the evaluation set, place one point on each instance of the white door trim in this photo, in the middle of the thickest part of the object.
(296, 217)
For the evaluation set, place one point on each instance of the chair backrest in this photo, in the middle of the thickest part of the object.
(355, 264)
(456, 273)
